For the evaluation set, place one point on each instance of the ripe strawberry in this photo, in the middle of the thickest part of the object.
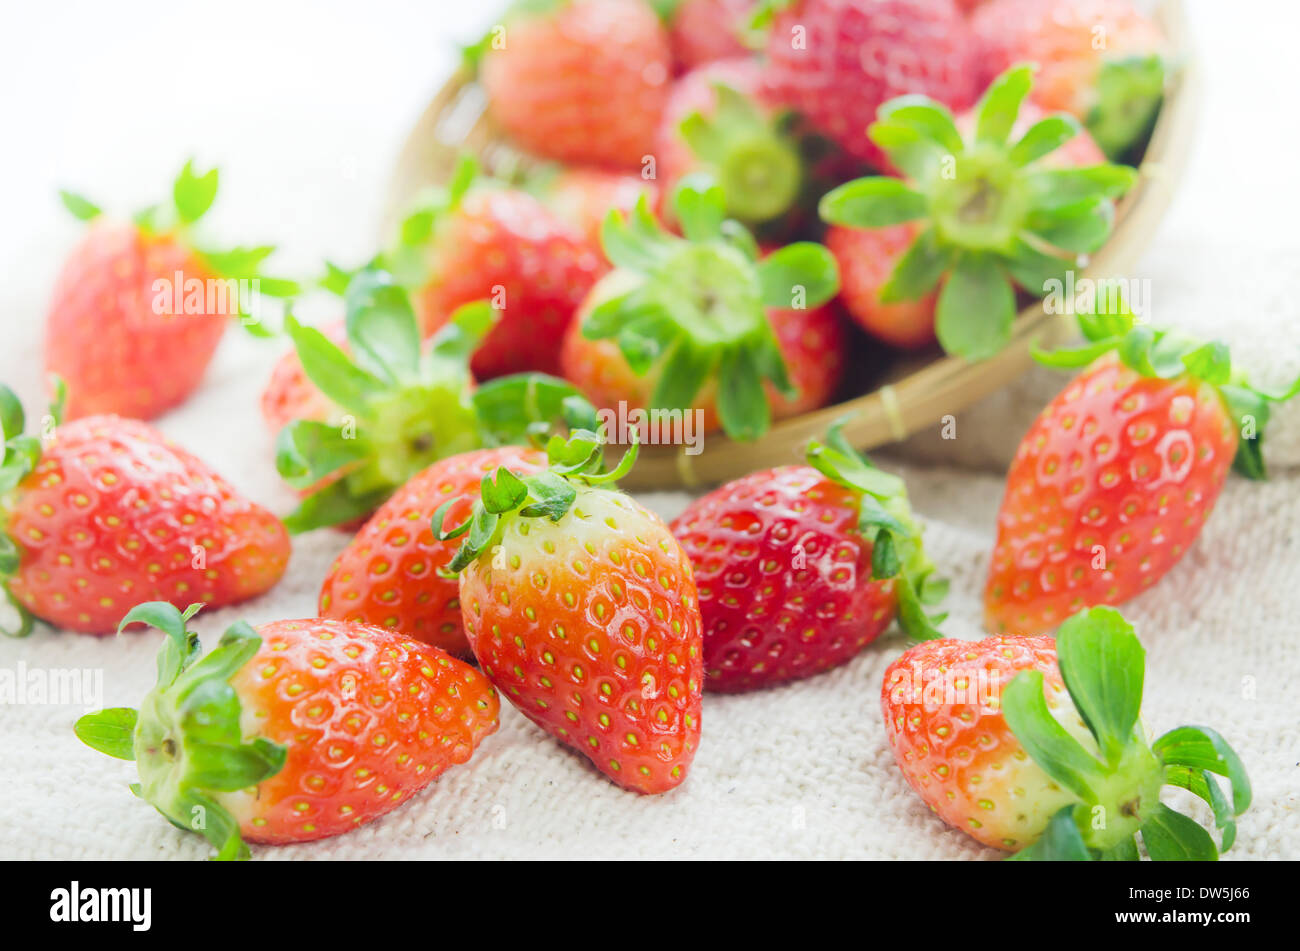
(868, 257)
(703, 31)
(837, 61)
(579, 81)
(1112, 483)
(1035, 746)
(800, 567)
(1099, 60)
(294, 731)
(701, 322)
(393, 407)
(134, 297)
(388, 576)
(716, 122)
(479, 241)
(581, 608)
(584, 197)
(108, 511)
(989, 213)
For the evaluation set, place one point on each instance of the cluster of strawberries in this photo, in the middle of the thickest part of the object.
(699, 227)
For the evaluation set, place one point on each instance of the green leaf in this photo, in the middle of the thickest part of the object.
(912, 617)
(1082, 227)
(329, 368)
(333, 505)
(1202, 748)
(997, 110)
(975, 309)
(635, 241)
(1061, 841)
(464, 332)
(1200, 783)
(742, 402)
(700, 207)
(193, 194)
(82, 208)
(918, 269)
(803, 265)
(1035, 270)
(1044, 739)
(381, 326)
(1126, 851)
(914, 152)
(510, 407)
(12, 419)
(684, 374)
(931, 119)
(1043, 137)
(872, 203)
(553, 496)
(1128, 93)
(335, 279)
(1103, 666)
(1172, 837)
(1062, 187)
(230, 769)
(306, 451)
(110, 731)
(503, 494)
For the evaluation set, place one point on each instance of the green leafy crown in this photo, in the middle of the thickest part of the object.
(186, 738)
(885, 519)
(1103, 666)
(694, 308)
(991, 215)
(1169, 355)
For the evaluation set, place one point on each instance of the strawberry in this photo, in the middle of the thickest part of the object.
(715, 122)
(1112, 483)
(290, 394)
(584, 197)
(991, 214)
(580, 606)
(394, 407)
(697, 322)
(868, 257)
(1034, 745)
(388, 576)
(799, 567)
(135, 297)
(836, 61)
(578, 81)
(1102, 61)
(477, 240)
(703, 31)
(107, 511)
(292, 731)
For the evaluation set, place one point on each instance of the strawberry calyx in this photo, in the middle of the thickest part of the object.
(693, 309)
(21, 453)
(577, 461)
(885, 519)
(1118, 782)
(1170, 355)
(994, 217)
(186, 738)
(399, 407)
(192, 196)
(754, 157)
(1129, 93)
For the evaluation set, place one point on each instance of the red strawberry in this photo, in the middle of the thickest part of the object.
(584, 197)
(783, 561)
(1112, 483)
(867, 258)
(138, 309)
(109, 511)
(703, 31)
(837, 61)
(388, 575)
(294, 731)
(999, 207)
(505, 246)
(581, 608)
(1100, 60)
(700, 322)
(715, 122)
(1021, 755)
(579, 81)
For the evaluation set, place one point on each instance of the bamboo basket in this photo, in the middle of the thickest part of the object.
(899, 398)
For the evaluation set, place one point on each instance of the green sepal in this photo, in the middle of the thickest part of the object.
(1170, 836)
(515, 409)
(1049, 745)
(1129, 94)
(307, 451)
(336, 504)
(193, 193)
(1200, 783)
(382, 330)
(1201, 748)
(1103, 665)
(872, 203)
(975, 309)
(109, 731)
(1061, 841)
(81, 208)
(802, 266)
(999, 107)
(917, 270)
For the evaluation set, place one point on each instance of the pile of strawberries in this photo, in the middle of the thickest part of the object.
(722, 202)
